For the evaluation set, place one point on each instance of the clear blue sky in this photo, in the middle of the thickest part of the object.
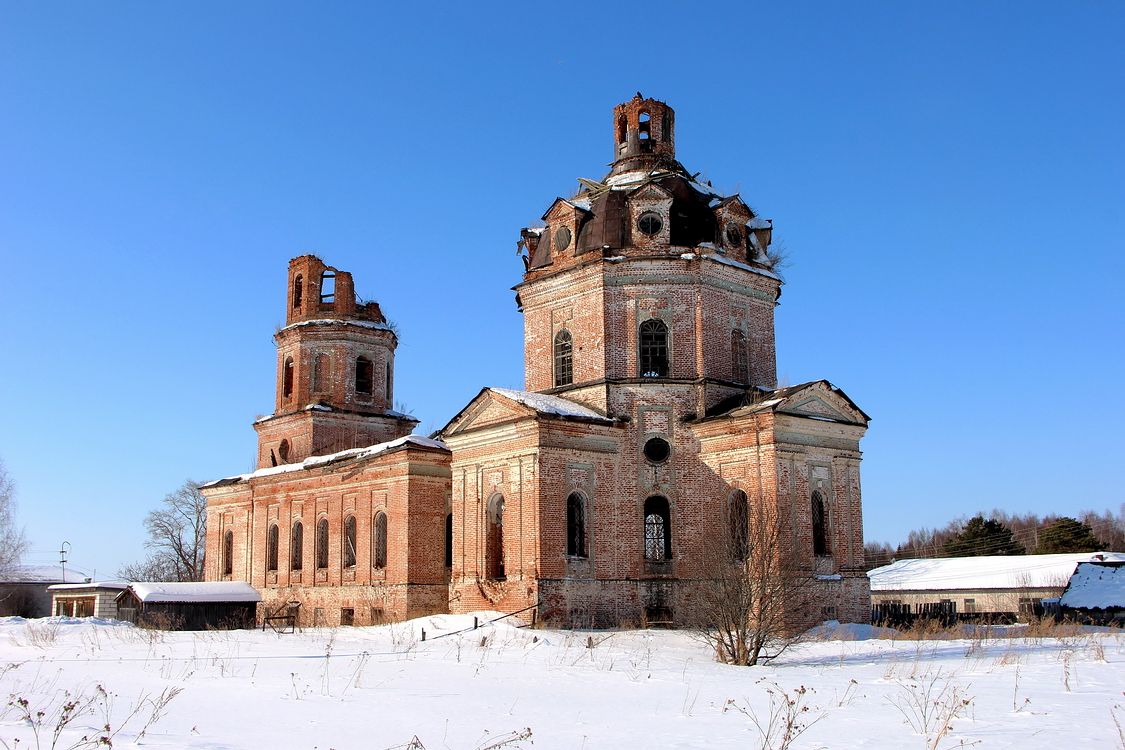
(947, 178)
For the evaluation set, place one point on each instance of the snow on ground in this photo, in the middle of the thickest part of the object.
(376, 688)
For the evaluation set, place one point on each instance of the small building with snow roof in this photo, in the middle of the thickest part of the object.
(991, 585)
(24, 589)
(89, 599)
(196, 605)
(1096, 593)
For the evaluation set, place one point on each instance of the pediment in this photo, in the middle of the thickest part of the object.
(561, 208)
(650, 192)
(822, 400)
(486, 409)
(734, 208)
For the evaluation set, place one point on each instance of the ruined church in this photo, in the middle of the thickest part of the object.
(650, 432)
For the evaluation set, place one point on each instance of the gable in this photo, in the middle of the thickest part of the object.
(650, 192)
(485, 410)
(822, 400)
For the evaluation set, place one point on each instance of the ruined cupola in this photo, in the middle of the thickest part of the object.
(643, 135)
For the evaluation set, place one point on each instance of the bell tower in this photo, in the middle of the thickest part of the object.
(335, 370)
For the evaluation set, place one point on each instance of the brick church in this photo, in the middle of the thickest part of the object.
(651, 430)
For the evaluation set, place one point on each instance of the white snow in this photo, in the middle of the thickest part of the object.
(759, 223)
(339, 321)
(43, 574)
(1095, 586)
(375, 688)
(545, 404)
(314, 461)
(729, 262)
(985, 572)
(196, 591)
(119, 585)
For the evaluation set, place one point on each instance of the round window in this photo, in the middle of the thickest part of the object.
(562, 238)
(650, 223)
(733, 235)
(657, 450)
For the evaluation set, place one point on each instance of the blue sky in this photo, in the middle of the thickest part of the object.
(947, 180)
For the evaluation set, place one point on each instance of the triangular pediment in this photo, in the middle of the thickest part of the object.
(562, 208)
(821, 400)
(486, 409)
(734, 208)
(650, 192)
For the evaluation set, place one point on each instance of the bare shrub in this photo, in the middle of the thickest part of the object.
(789, 716)
(930, 703)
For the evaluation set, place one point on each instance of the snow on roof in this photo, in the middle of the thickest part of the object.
(545, 404)
(209, 591)
(985, 572)
(313, 462)
(759, 223)
(340, 322)
(43, 574)
(1096, 585)
(730, 262)
(118, 585)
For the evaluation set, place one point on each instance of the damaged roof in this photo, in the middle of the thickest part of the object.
(764, 400)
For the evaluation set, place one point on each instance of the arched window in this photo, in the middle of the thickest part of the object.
(364, 374)
(738, 516)
(658, 529)
(819, 526)
(228, 553)
(379, 542)
(328, 288)
(283, 451)
(564, 358)
(322, 544)
(654, 349)
(644, 124)
(494, 547)
(622, 128)
(271, 548)
(576, 525)
(349, 542)
(297, 547)
(666, 126)
(739, 357)
(322, 373)
(287, 378)
(449, 540)
(298, 290)
(387, 384)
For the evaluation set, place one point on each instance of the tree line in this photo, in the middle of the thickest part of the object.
(1003, 533)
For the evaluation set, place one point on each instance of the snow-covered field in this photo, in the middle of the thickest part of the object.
(377, 688)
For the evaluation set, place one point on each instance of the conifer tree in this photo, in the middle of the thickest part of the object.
(1066, 535)
(983, 537)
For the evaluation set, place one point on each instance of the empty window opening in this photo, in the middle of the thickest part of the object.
(644, 125)
(349, 542)
(819, 526)
(283, 451)
(732, 236)
(328, 288)
(657, 450)
(564, 358)
(738, 517)
(271, 549)
(622, 128)
(387, 384)
(379, 553)
(650, 223)
(347, 616)
(970, 605)
(287, 378)
(576, 525)
(562, 239)
(658, 529)
(449, 540)
(297, 547)
(322, 544)
(377, 616)
(364, 375)
(322, 373)
(298, 290)
(494, 547)
(654, 349)
(666, 126)
(740, 357)
(228, 553)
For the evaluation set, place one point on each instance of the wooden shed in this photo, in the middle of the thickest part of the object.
(1096, 593)
(210, 605)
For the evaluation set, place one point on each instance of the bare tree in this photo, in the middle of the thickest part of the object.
(13, 541)
(177, 533)
(758, 594)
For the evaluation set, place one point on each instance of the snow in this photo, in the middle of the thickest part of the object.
(378, 687)
(1095, 586)
(985, 572)
(340, 321)
(729, 262)
(119, 585)
(44, 574)
(759, 223)
(313, 462)
(209, 591)
(545, 404)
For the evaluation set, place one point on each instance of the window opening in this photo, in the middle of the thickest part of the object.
(622, 128)
(283, 451)
(657, 450)
(740, 357)
(328, 288)
(739, 518)
(576, 525)
(322, 373)
(379, 555)
(658, 531)
(347, 616)
(387, 383)
(271, 549)
(644, 125)
(666, 126)
(449, 540)
(349, 542)
(228, 553)
(564, 358)
(298, 290)
(494, 548)
(364, 374)
(654, 349)
(297, 547)
(819, 526)
(287, 378)
(562, 239)
(322, 544)
(650, 223)
(733, 235)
